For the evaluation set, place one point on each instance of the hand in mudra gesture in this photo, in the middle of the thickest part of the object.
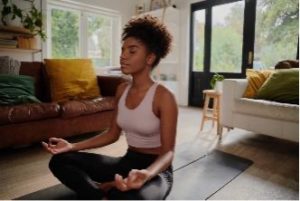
(135, 180)
(57, 145)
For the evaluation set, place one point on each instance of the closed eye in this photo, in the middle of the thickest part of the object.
(133, 49)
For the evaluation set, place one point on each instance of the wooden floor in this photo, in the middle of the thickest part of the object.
(273, 175)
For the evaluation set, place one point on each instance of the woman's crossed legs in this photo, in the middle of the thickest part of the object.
(81, 171)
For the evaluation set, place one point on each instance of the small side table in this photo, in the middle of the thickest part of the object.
(214, 112)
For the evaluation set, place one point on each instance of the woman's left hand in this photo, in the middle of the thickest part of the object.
(135, 180)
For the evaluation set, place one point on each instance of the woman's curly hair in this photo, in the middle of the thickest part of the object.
(152, 33)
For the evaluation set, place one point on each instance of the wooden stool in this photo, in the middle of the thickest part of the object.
(214, 112)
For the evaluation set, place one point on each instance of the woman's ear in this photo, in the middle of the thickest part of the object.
(150, 59)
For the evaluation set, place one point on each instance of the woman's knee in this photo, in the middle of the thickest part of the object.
(156, 189)
(58, 160)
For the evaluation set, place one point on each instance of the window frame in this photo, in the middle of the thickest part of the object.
(85, 10)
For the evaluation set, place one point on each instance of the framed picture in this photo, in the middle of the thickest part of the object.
(139, 9)
(157, 4)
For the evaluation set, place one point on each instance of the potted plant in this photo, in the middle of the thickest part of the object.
(216, 82)
(31, 19)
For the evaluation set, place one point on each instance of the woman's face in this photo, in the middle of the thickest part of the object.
(134, 57)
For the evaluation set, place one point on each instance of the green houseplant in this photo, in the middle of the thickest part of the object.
(215, 78)
(31, 19)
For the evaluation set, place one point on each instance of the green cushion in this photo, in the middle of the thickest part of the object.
(16, 89)
(282, 86)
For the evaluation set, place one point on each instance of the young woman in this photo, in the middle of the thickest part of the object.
(145, 111)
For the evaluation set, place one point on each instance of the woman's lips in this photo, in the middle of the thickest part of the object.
(124, 65)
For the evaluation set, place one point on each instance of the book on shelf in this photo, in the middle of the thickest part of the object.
(8, 46)
(8, 42)
(6, 36)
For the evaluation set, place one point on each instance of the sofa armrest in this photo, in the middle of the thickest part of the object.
(108, 84)
(232, 89)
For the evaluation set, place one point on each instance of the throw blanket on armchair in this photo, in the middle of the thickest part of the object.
(16, 89)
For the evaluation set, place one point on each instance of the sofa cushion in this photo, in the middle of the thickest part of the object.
(38, 72)
(268, 109)
(72, 79)
(16, 89)
(255, 79)
(28, 112)
(84, 107)
(282, 86)
(285, 64)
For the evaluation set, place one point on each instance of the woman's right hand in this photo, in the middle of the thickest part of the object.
(57, 145)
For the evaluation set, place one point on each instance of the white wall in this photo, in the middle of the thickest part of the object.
(184, 7)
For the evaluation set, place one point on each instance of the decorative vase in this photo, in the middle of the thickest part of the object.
(219, 86)
(13, 23)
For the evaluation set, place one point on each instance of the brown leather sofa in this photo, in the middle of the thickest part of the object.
(30, 123)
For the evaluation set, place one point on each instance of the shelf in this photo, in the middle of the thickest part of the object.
(21, 50)
(15, 30)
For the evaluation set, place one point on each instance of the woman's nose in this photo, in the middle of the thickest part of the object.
(123, 56)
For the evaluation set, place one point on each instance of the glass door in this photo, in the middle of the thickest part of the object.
(228, 36)
(217, 32)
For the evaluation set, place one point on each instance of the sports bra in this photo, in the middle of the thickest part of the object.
(140, 125)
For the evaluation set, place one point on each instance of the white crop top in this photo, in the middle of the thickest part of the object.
(141, 126)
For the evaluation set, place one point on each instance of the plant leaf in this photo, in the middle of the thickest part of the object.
(6, 10)
(38, 23)
(4, 2)
(17, 11)
(31, 19)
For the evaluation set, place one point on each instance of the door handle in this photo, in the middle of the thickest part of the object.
(250, 57)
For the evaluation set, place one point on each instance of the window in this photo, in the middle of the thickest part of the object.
(79, 31)
(99, 39)
(276, 34)
(227, 37)
(226, 28)
(65, 23)
(198, 51)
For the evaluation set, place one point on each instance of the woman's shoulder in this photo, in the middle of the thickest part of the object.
(164, 94)
(121, 88)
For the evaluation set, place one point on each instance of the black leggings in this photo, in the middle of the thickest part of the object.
(79, 170)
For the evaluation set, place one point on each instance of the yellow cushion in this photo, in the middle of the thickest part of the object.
(72, 79)
(255, 81)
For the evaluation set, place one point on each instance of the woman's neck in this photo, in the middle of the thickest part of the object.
(142, 80)
(141, 83)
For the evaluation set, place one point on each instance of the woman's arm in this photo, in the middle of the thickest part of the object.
(168, 112)
(109, 137)
(59, 145)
